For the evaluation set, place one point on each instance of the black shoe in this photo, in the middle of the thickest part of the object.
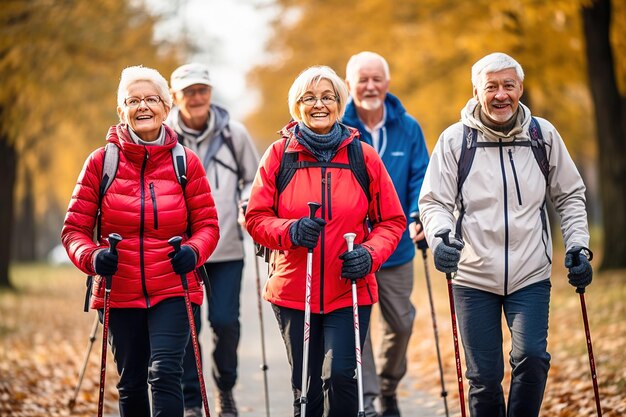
(226, 406)
(389, 406)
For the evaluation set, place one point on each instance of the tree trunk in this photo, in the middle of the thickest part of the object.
(24, 241)
(8, 163)
(610, 130)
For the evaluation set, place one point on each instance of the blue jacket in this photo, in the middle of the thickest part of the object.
(404, 153)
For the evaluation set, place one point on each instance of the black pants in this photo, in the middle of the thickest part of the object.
(225, 280)
(148, 346)
(332, 387)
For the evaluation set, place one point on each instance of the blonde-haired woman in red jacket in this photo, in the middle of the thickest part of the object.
(146, 205)
(280, 221)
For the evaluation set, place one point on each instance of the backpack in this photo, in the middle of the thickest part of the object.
(289, 164)
(536, 143)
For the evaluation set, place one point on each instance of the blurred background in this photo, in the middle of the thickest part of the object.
(60, 62)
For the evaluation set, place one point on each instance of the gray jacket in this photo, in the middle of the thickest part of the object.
(227, 188)
(505, 229)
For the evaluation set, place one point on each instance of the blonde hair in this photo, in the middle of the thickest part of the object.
(495, 62)
(311, 77)
(131, 75)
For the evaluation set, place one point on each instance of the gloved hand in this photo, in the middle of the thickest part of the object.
(184, 261)
(356, 263)
(447, 257)
(106, 263)
(580, 272)
(305, 232)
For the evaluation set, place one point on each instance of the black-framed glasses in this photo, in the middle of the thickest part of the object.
(310, 101)
(150, 101)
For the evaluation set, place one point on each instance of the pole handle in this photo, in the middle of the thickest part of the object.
(313, 207)
(175, 243)
(421, 244)
(114, 239)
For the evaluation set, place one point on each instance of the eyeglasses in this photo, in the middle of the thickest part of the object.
(310, 101)
(202, 91)
(150, 101)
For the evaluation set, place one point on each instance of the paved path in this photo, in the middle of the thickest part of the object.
(249, 391)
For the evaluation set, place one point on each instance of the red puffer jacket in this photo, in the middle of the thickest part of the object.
(344, 207)
(146, 206)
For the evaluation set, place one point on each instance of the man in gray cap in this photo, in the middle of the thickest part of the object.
(230, 160)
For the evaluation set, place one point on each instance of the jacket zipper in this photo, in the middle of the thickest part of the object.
(519, 193)
(506, 222)
(322, 235)
(544, 231)
(141, 231)
(328, 188)
(154, 206)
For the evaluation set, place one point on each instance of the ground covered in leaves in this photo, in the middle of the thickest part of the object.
(569, 392)
(44, 337)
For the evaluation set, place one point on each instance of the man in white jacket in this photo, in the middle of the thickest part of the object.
(230, 160)
(497, 206)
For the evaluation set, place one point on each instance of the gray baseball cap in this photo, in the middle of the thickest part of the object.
(190, 74)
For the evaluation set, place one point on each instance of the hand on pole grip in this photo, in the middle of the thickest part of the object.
(306, 231)
(106, 260)
(183, 258)
(356, 263)
(447, 253)
(421, 244)
(580, 272)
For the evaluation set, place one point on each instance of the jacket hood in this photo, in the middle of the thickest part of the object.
(470, 116)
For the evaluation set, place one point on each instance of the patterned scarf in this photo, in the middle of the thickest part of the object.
(323, 147)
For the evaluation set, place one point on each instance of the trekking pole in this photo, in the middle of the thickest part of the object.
(114, 239)
(175, 243)
(349, 237)
(592, 363)
(446, 240)
(264, 367)
(313, 207)
(423, 246)
(92, 338)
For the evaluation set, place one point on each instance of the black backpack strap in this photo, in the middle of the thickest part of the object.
(286, 170)
(468, 150)
(357, 165)
(538, 146)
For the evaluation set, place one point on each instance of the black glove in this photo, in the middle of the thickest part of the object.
(184, 261)
(305, 232)
(106, 263)
(447, 257)
(580, 272)
(356, 263)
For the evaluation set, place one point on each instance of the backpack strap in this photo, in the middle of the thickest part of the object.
(538, 146)
(179, 160)
(227, 138)
(468, 150)
(357, 165)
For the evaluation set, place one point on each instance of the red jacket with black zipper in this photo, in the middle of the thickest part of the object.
(345, 208)
(146, 205)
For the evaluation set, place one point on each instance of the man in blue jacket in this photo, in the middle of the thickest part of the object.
(398, 138)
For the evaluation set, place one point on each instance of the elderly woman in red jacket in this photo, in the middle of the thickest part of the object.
(146, 205)
(280, 222)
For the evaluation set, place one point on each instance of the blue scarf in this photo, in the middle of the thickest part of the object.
(323, 147)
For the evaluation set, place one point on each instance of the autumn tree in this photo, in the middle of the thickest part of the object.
(59, 64)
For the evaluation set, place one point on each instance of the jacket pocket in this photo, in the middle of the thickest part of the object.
(154, 206)
(545, 236)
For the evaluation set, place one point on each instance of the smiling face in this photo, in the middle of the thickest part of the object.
(145, 120)
(194, 103)
(499, 93)
(320, 117)
(369, 85)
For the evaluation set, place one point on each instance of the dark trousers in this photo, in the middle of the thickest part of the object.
(479, 315)
(332, 386)
(148, 346)
(224, 301)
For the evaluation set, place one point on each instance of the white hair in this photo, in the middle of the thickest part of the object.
(131, 75)
(310, 77)
(355, 62)
(494, 62)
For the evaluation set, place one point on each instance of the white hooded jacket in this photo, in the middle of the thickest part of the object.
(505, 228)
